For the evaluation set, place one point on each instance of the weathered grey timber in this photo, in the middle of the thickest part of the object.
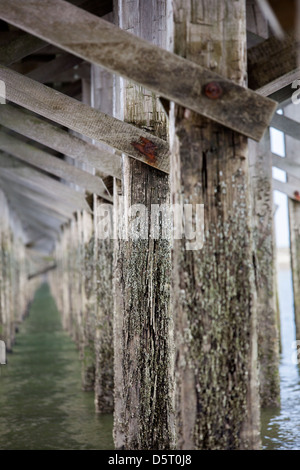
(266, 72)
(213, 287)
(291, 189)
(286, 125)
(102, 99)
(42, 183)
(51, 164)
(104, 344)
(60, 140)
(292, 151)
(260, 161)
(82, 118)
(159, 70)
(143, 347)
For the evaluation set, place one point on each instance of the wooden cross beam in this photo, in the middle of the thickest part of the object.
(47, 185)
(272, 65)
(85, 120)
(60, 140)
(290, 166)
(51, 164)
(286, 125)
(291, 190)
(31, 197)
(160, 71)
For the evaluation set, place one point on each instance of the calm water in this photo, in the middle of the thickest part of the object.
(281, 428)
(42, 405)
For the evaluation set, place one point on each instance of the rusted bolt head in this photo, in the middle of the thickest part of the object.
(297, 195)
(213, 90)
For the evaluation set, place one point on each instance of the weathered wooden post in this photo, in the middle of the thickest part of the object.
(142, 324)
(102, 99)
(213, 287)
(260, 160)
(292, 150)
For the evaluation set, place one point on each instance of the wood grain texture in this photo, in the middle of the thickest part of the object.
(260, 163)
(144, 416)
(60, 140)
(51, 164)
(83, 119)
(166, 74)
(272, 65)
(213, 286)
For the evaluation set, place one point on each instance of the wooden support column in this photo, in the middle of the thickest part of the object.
(102, 99)
(260, 160)
(104, 350)
(213, 286)
(142, 324)
(292, 151)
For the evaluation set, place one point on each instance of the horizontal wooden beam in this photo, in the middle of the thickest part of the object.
(41, 201)
(51, 164)
(160, 71)
(286, 125)
(60, 140)
(291, 190)
(19, 48)
(47, 185)
(85, 120)
(290, 166)
(55, 201)
(272, 65)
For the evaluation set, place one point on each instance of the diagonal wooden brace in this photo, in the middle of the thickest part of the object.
(173, 77)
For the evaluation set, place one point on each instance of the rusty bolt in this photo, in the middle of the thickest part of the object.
(213, 90)
(297, 195)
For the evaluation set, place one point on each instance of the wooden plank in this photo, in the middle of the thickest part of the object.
(256, 21)
(20, 48)
(38, 198)
(290, 166)
(260, 165)
(158, 70)
(266, 73)
(286, 125)
(272, 19)
(213, 290)
(291, 190)
(51, 164)
(85, 120)
(60, 140)
(47, 185)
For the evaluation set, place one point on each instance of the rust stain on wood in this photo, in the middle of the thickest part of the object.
(147, 148)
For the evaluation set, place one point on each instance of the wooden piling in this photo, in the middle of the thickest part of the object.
(213, 287)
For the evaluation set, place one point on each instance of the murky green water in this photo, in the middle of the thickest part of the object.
(42, 405)
(281, 427)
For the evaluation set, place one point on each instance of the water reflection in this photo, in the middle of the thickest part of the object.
(41, 401)
(281, 427)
